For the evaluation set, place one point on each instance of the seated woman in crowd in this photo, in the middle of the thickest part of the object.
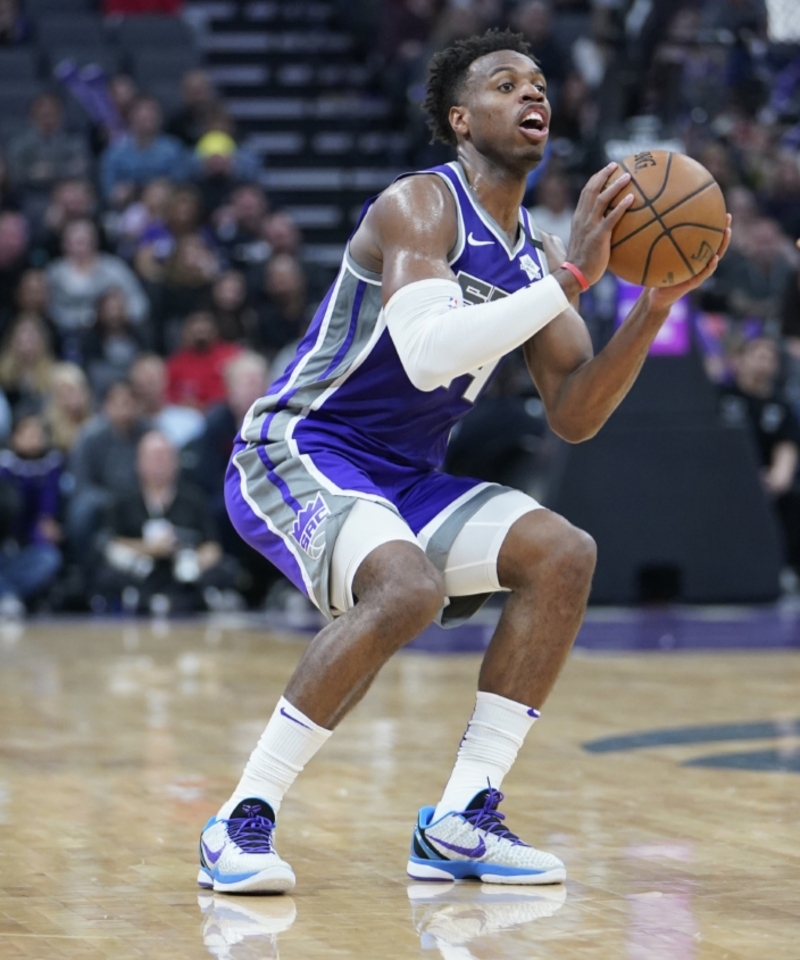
(26, 361)
(69, 405)
(83, 274)
(112, 343)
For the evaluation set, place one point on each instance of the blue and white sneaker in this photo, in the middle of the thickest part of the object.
(237, 855)
(475, 844)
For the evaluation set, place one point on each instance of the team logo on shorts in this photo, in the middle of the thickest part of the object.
(306, 529)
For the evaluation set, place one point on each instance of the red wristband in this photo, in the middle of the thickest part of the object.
(578, 274)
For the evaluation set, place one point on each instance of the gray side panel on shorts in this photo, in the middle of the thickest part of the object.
(460, 608)
(304, 488)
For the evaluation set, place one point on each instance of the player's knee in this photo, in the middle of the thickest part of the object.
(548, 548)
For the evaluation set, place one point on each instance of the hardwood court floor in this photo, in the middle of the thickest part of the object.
(117, 741)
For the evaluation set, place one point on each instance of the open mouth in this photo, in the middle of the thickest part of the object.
(534, 127)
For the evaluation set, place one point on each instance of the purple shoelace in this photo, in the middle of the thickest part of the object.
(488, 818)
(252, 834)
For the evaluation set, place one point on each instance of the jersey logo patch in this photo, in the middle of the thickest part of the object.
(306, 529)
(530, 266)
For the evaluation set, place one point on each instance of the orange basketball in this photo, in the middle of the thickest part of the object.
(675, 224)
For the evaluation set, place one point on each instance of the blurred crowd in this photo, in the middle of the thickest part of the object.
(147, 290)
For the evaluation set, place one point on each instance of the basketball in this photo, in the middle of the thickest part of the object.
(675, 224)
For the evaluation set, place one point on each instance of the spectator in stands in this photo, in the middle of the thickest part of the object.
(198, 99)
(122, 94)
(111, 344)
(70, 200)
(219, 164)
(753, 279)
(26, 361)
(283, 316)
(102, 466)
(780, 196)
(14, 260)
(239, 231)
(13, 26)
(183, 217)
(188, 276)
(196, 371)
(281, 234)
(33, 300)
(9, 199)
(534, 20)
(162, 554)
(236, 320)
(129, 8)
(246, 379)
(143, 217)
(141, 155)
(69, 405)
(554, 209)
(45, 153)
(180, 424)
(754, 401)
(30, 559)
(83, 274)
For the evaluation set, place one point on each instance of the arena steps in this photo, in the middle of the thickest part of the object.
(306, 104)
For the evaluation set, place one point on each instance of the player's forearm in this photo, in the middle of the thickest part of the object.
(438, 338)
(590, 394)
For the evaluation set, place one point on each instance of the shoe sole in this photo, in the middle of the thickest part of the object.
(267, 881)
(485, 872)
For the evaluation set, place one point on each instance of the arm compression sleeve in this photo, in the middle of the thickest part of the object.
(438, 338)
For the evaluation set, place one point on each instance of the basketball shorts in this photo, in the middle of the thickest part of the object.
(317, 514)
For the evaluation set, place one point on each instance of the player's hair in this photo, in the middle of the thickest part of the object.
(447, 72)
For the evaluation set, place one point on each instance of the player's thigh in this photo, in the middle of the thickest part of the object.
(368, 527)
(471, 566)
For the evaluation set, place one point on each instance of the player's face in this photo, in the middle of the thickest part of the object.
(506, 112)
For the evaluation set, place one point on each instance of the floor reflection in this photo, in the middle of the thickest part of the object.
(460, 918)
(244, 928)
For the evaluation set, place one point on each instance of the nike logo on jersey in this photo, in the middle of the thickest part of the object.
(474, 853)
(478, 243)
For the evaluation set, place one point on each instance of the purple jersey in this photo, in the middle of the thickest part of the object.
(346, 389)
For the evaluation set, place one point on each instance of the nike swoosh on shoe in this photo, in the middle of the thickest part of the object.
(212, 855)
(474, 854)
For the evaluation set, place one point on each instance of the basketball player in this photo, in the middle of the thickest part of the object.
(335, 475)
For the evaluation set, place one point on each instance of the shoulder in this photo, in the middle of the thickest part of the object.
(420, 195)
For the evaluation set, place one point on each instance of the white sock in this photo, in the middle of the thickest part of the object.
(488, 749)
(289, 741)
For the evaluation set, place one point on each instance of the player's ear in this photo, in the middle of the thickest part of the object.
(459, 120)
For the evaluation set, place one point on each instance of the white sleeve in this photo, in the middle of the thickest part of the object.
(439, 338)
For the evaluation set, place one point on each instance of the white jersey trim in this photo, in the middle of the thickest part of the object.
(488, 221)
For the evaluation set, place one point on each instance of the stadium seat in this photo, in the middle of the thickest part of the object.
(38, 8)
(153, 66)
(70, 32)
(154, 33)
(20, 64)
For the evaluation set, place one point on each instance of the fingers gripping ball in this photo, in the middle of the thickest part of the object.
(675, 224)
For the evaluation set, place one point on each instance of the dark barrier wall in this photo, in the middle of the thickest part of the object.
(672, 497)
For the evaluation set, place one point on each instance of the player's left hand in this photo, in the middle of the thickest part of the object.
(662, 298)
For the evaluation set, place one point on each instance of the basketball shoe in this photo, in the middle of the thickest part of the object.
(474, 843)
(244, 928)
(237, 855)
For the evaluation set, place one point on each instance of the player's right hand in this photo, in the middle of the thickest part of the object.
(590, 241)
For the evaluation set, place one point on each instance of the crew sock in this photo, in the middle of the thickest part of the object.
(289, 741)
(488, 749)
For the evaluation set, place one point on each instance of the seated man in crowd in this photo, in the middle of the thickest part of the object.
(754, 400)
(30, 471)
(161, 552)
(196, 371)
(180, 424)
(102, 466)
